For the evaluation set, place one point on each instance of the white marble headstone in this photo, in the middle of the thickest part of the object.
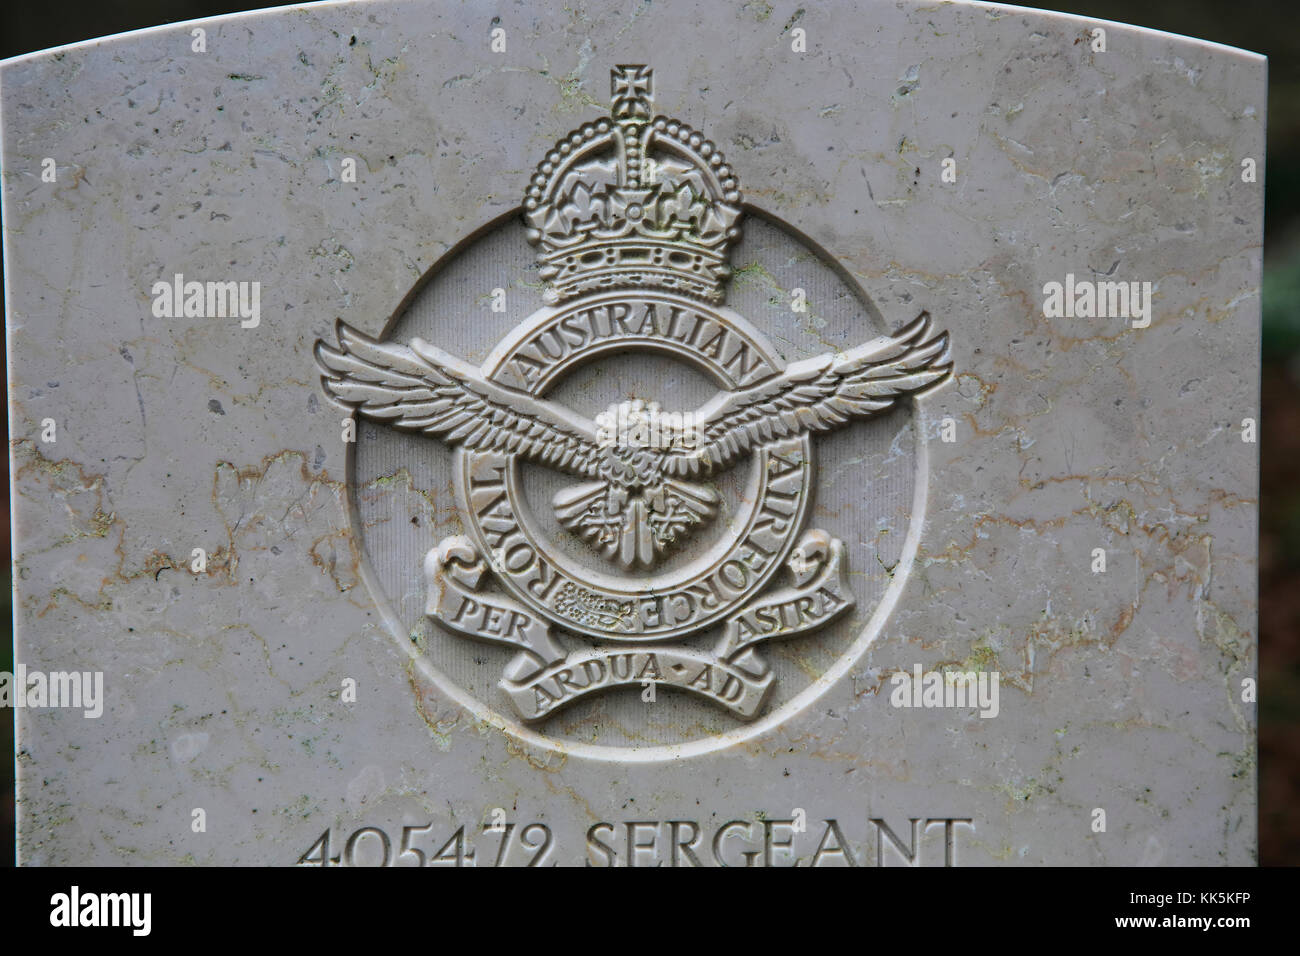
(937, 544)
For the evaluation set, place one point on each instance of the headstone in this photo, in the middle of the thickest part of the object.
(710, 434)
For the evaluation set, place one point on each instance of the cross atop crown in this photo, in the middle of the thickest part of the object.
(631, 93)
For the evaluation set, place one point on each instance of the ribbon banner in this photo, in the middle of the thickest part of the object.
(820, 593)
(542, 678)
(600, 669)
(453, 571)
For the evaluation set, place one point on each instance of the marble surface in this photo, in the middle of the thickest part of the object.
(1120, 690)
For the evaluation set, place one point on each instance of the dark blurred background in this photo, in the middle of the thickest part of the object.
(1264, 26)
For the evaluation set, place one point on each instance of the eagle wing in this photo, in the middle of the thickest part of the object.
(422, 388)
(817, 394)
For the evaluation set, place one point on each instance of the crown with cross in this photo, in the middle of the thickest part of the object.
(635, 200)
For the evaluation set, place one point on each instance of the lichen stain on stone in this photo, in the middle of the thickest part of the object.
(548, 760)
(278, 504)
(438, 715)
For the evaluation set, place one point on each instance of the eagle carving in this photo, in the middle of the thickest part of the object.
(634, 502)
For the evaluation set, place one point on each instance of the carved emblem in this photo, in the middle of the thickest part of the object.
(633, 217)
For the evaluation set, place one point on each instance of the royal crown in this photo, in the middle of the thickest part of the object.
(633, 200)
